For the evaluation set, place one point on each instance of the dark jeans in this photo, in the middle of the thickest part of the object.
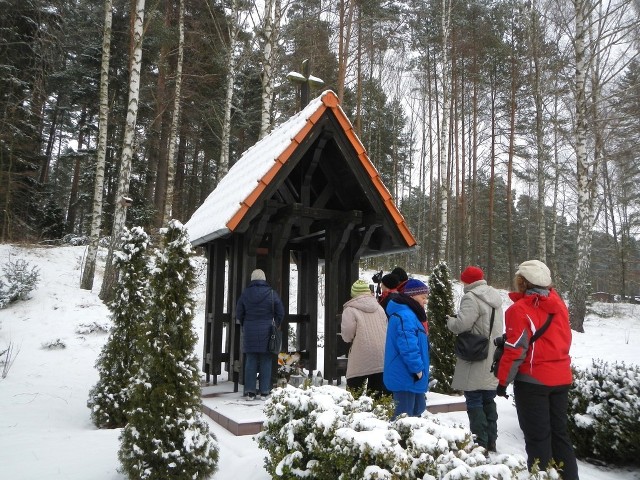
(477, 398)
(375, 385)
(483, 416)
(413, 404)
(542, 414)
(254, 363)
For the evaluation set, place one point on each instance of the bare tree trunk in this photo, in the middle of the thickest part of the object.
(272, 18)
(158, 163)
(345, 13)
(122, 199)
(492, 178)
(234, 31)
(444, 133)
(473, 171)
(173, 134)
(579, 288)
(98, 189)
(512, 138)
(73, 195)
(556, 183)
(534, 35)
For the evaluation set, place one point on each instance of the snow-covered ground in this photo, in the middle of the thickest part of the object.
(45, 430)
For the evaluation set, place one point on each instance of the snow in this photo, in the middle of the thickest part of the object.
(45, 428)
(210, 220)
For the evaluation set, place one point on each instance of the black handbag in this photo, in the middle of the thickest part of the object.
(472, 347)
(275, 339)
(275, 334)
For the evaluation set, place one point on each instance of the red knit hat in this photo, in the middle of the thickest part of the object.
(472, 274)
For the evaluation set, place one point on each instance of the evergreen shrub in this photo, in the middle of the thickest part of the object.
(166, 435)
(604, 412)
(121, 354)
(324, 433)
(20, 279)
(441, 339)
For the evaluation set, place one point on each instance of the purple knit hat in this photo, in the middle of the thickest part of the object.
(415, 287)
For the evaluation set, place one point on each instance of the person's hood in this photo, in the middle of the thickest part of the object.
(395, 307)
(551, 303)
(487, 294)
(260, 289)
(366, 303)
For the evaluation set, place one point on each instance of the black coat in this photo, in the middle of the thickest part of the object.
(255, 310)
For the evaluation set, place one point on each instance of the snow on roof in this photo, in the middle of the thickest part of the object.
(210, 220)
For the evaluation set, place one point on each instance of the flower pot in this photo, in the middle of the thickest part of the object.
(296, 380)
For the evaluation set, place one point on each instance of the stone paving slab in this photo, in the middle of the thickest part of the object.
(231, 410)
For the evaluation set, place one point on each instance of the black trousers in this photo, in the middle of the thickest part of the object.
(375, 385)
(542, 414)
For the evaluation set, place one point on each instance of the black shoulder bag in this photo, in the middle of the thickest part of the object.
(499, 343)
(275, 335)
(472, 347)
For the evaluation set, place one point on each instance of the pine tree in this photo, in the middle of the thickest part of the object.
(167, 436)
(120, 358)
(443, 359)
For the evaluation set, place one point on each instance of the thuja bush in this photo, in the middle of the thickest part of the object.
(441, 339)
(122, 353)
(20, 279)
(324, 433)
(167, 436)
(604, 412)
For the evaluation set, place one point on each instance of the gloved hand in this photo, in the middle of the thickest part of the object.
(502, 391)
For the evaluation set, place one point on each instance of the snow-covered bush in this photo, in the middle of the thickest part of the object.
(604, 412)
(324, 433)
(20, 279)
(93, 327)
(121, 354)
(56, 344)
(166, 435)
(441, 340)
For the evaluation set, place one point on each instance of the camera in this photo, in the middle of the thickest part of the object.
(377, 278)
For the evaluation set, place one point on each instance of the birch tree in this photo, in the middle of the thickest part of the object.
(237, 24)
(444, 131)
(96, 217)
(173, 133)
(270, 32)
(603, 49)
(122, 199)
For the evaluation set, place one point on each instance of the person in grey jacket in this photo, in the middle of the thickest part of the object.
(364, 325)
(475, 379)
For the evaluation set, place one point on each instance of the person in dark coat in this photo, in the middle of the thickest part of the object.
(540, 372)
(257, 307)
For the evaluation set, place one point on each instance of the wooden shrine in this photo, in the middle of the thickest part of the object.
(307, 198)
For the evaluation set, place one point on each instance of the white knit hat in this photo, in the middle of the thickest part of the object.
(536, 272)
(258, 274)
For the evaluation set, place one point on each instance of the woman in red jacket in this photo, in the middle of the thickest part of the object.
(540, 371)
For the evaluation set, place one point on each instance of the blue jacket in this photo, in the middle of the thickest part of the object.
(255, 310)
(406, 351)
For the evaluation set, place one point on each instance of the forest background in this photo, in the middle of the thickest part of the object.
(505, 130)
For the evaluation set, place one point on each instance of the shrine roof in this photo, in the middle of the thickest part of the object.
(227, 205)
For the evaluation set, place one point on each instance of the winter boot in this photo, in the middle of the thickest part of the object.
(478, 425)
(491, 414)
